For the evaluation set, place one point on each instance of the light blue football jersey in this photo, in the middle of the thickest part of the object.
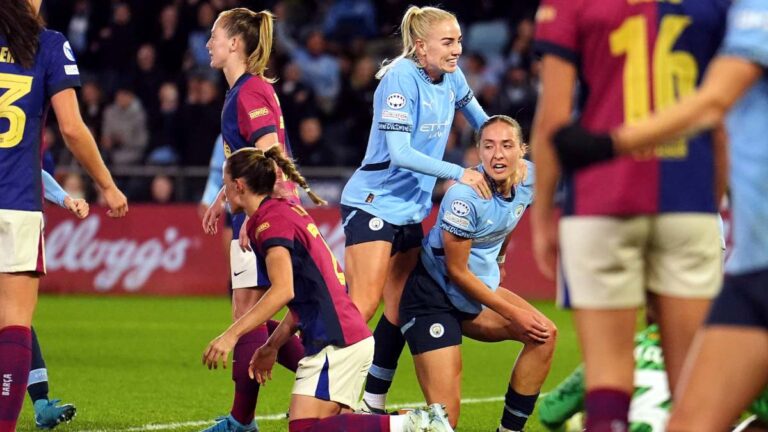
(418, 112)
(487, 222)
(747, 37)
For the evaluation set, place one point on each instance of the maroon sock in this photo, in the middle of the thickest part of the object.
(342, 423)
(291, 352)
(15, 360)
(246, 389)
(607, 410)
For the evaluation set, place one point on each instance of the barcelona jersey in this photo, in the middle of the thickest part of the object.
(636, 57)
(24, 100)
(321, 306)
(252, 110)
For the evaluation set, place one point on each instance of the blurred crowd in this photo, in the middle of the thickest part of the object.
(150, 97)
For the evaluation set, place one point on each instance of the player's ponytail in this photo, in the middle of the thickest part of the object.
(256, 30)
(293, 174)
(21, 27)
(416, 24)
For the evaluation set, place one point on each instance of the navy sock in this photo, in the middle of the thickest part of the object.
(37, 386)
(389, 345)
(517, 409)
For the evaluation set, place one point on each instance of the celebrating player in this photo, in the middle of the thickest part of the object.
(385, 201)
(306, 277)
(240, 45)
(735, 82)
(453, 290)
(37, 68)
(637, 224)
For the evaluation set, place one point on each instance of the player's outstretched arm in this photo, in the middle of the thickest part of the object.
(280, 272)
(81, 143)
(56, 194)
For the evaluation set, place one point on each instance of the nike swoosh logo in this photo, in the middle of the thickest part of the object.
(240, 272)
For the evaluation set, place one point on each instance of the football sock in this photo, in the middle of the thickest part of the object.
(342, 422)
(15, 360)
(37, 386)
(607, 410)
(517, 409)
(246, 389)
(389, 345)
(291, 353)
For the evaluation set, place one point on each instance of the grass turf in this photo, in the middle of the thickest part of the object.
(130, 362)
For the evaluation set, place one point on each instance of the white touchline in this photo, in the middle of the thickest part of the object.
(270, 417)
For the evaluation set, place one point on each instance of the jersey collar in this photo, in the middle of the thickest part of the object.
(425, 76)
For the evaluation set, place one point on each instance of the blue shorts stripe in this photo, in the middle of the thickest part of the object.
(381, 373)
(323, 386)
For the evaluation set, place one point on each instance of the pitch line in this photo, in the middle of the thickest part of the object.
(272, 417)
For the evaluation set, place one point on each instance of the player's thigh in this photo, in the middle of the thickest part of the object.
(684, 256)
(18, 297)
(602, 261)
(400, 267)
(243, 299)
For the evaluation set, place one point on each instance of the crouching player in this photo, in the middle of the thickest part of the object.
(453, 290)
(307, 278)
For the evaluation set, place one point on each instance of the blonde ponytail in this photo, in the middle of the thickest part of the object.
(258, 59)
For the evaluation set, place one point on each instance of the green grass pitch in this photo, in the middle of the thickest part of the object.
(132, 364)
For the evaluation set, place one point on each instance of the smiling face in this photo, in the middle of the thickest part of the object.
(500, 151)
(439, 52)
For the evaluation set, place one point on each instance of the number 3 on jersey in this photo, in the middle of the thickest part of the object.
(674, 72)
(16, 86)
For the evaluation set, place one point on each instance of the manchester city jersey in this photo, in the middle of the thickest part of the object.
(407, 101)
(487, 222)
(24, 100)
(747, 37)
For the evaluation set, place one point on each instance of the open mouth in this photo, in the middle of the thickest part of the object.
(499, 168)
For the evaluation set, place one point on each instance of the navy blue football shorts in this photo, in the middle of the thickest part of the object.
(428, 319)
(743, 301)
(363, 227)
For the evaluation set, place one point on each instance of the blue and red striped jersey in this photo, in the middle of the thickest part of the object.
(634, 58)
(324, 310)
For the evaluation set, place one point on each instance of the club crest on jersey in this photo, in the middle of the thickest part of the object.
(519, 210)
(68, 51)
(376, 224)
(436, 330)
(395, 101)
(460, 208)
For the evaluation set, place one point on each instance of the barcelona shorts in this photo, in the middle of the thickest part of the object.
(21, 237)
(247, 268)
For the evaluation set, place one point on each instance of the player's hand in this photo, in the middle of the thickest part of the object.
(211, 217)
(577, 148)
(522, 171)
(260, 367)
(528, 325)
(476, 181)
(242, 238)
(116, 201)
(544, 237)
(78, 207)
(218, 350)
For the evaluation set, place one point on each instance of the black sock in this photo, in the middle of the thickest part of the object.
(389, 345)
(37, 386)
(517, 409)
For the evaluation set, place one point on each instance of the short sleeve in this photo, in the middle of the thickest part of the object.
(747, 31)
(459, 214)
(557, 29)
(396, 102)
(272, 232)
(61, 70)
(255, 116)
(464, 94)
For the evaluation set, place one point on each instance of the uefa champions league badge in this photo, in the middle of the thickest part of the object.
(460, 208)
(395, 101)
(68, 51)
(436, 330)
